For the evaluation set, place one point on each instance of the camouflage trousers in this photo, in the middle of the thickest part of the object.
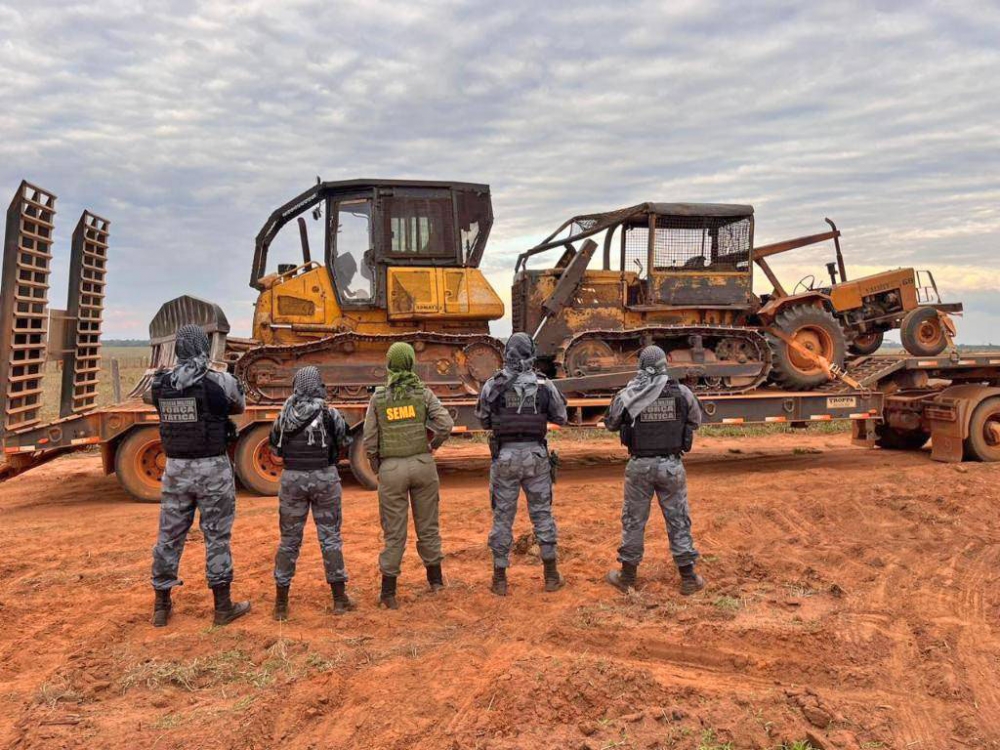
(301, 491)
(205, 484)
(521, 465)
(667, 478)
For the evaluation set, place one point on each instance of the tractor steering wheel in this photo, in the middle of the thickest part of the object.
(807, 283)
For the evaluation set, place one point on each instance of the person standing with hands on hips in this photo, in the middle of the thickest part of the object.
(399, 416)
(657, 418)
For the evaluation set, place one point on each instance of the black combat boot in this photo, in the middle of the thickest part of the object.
(624, 579)
(434, 577)
(162, 607)
(499, 586)
(225, 610)
(281, 603)
(553, 579)
(691, 582)
(342, 603)
(387, 598)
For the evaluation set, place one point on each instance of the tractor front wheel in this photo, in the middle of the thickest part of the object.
(813, 329)
(922, 333)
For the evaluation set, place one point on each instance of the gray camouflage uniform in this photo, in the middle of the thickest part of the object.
(319, 490)
(522, 465)
(667, 478)
(205, 484)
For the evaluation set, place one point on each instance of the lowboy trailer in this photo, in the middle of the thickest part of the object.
(892, 402)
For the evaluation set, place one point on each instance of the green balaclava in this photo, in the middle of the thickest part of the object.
(399, 361)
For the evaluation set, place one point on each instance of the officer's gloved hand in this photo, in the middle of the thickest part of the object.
(374, 462)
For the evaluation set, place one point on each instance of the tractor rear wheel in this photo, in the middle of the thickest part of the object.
(983, 443)
(139, 464)
(866, 343)
(815, 329)
(257, 468)
(922, 333)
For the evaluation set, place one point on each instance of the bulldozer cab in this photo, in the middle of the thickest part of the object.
(371, 225)
(395, 255)
(681, 254)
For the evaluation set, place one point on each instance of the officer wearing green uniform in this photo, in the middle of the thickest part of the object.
(399, 417)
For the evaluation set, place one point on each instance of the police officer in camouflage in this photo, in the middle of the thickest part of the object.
(399, 416)
(308, 436)
(194, 404)
(657, 419)
(517, 404)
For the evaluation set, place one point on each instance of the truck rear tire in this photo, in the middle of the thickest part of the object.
(816, 329)
(139, 464)
(983, 443)
(360, 467)
(922, 334)
(896, 440)
(866, 343)
(257, 468)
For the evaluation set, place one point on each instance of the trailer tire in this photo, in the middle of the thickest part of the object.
(257, 468)
(983, 443)
(866, 343)
(896, 440)
(139, 464)
(922, 334)
(360, 467)
(818, 330)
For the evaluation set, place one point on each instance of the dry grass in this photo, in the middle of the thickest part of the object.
(132, 363)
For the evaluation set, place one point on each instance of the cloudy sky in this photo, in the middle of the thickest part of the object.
(186, 123)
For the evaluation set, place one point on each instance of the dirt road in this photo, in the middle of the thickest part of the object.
(853, 601)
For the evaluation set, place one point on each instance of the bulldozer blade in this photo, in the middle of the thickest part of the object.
(85, 314)
(185, 310)
(24, 287)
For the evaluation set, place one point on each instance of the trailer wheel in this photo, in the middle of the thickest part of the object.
(866, 343)
(815, 329)
(897, 440)
(257, 468)
(922, 334)
(139, 464)
(983, 443)
(360, 467)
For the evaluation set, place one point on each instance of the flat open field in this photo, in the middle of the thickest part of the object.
(853, 601)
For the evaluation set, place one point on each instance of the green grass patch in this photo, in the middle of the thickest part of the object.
(728, 603)
(709, 742)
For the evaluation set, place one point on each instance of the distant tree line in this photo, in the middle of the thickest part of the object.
(126, 342)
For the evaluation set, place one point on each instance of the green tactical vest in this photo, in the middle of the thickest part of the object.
(402, 426)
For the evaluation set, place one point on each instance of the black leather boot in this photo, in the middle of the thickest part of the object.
(691, 582)
(225, 610)
(553, 579)
(434, 577)
(624, 579)
(342, 603)
(499, 586)
(161, 608)
(281, 603)
(387, 598)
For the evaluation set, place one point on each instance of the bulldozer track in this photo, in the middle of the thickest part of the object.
(466, 378)
(703, 386)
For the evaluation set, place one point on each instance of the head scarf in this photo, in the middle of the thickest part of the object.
(399, 361)
(191, 345)
(648, 383)
(308, 400)
(518, 370)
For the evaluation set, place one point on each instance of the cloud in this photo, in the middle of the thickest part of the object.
(187, 123)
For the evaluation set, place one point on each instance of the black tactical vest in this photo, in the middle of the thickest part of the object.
(299, 455)
(661, 429)
(529, 424)
(193, 422)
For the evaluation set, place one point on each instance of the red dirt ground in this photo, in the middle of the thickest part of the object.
(853, 601)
